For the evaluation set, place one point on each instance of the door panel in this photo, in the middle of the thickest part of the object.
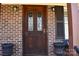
(34, 30)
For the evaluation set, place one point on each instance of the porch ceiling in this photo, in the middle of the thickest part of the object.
(61, 4)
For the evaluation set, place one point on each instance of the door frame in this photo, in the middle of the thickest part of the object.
(23, 28)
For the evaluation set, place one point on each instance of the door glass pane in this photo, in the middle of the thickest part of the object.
(39, 22)
(30, 21)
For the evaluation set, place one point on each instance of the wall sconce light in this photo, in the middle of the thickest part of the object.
(15, 8)
(53, 9)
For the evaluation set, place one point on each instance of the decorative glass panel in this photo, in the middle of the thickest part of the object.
(39, 22)
(30, 21)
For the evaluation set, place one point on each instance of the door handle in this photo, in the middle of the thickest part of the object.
(44, 30)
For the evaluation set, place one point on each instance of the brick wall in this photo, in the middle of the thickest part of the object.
(51, 30)
(11, 28)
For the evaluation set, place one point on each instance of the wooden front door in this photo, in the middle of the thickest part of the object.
(34, 30)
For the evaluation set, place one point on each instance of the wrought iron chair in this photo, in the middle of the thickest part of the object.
(76, 49)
